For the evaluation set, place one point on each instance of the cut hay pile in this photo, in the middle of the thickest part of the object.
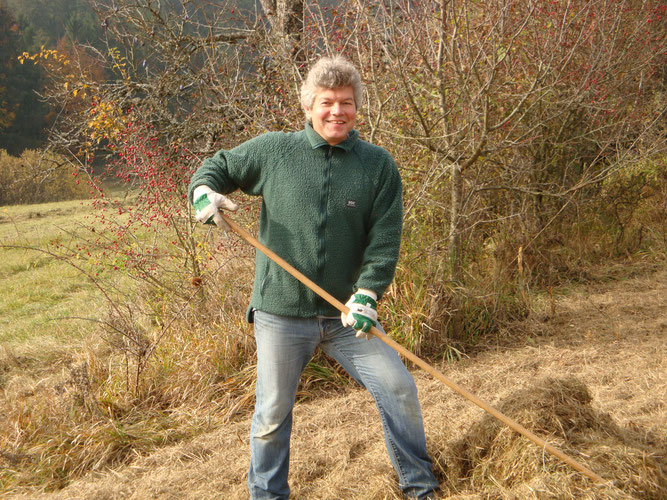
(491, 458)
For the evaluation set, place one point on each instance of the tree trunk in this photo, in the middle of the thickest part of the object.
(454, 238)
(455, 252)
(286, 19)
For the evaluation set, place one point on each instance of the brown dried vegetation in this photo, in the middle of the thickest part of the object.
(589, 379)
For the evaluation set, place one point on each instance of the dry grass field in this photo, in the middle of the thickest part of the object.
(588, 373)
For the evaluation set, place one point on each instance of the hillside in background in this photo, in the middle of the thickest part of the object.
(46, 22)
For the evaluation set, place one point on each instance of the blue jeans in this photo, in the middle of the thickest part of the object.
(284, 346)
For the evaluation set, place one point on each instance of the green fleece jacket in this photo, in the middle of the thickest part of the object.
(333, 212)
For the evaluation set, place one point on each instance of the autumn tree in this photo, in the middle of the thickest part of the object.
(536, 100)
(21, 112)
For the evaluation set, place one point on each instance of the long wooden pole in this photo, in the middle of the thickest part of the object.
(412, 357)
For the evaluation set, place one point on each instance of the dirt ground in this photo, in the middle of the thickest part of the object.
(609, 336)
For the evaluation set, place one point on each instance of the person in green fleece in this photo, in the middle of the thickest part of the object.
(331, 207)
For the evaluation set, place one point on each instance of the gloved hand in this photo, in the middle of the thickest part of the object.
(363, 312)
(207, 202)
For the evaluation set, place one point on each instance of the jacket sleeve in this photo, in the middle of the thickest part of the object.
(227, 171)
(384, 235)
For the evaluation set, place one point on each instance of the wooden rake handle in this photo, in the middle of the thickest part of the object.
(412, 357)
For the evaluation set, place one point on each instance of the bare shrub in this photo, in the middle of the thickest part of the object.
(38, 177)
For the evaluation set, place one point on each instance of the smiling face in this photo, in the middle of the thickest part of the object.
(333, 113)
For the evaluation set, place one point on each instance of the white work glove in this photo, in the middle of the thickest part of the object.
(363, 312)
(207, 204)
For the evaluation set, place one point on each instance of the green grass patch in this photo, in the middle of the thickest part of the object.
(39, 293)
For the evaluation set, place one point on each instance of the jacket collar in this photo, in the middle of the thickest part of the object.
(316, 140)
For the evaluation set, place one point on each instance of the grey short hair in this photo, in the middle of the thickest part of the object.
(331, 73)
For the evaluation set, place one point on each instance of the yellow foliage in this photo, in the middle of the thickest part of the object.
(106, 119)
(120, 62)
